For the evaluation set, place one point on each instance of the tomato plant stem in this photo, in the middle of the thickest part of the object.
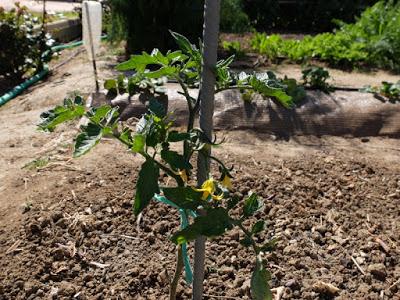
(177, 275)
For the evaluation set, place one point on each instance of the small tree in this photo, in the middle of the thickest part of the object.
(154, 137)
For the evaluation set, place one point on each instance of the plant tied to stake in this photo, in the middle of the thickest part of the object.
(155, 139)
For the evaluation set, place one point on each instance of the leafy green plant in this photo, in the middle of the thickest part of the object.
(205, 210)
(22, 49)
(373, 40)
(234, 48)
(388, 90)
(316, 77)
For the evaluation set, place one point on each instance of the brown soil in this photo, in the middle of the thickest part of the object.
(67, 230)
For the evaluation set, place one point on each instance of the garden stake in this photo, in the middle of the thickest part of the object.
(207, 90)
(92, 46)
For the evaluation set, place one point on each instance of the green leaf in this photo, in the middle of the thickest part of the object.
(60, 114)
(262, 87)
(246, 242)
(184, 197)
(146, 186)
(233, 202)
(258, 227)
(175, 136)
(138, 62)
(110, 84)
(126, 136)
(164, 71)
(183, 43)
(175, 160)
(157, 108)
(96, 115)
(259, 287)
(251, 205)
(138, 143)
(87, 139)
(214, 223)
(176, 56)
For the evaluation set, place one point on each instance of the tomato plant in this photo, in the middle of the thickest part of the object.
(205, 210)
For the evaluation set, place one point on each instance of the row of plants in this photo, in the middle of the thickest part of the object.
(302, 15)
(23, 49)
(372, 41)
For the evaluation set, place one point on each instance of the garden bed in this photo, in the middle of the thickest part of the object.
(67, 229)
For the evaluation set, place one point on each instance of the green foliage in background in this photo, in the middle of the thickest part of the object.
(234, 48)
(388, 90)
(233, 17)
(302, 15)
(145, 23)
(373, 41)
(316, 78)
(22, 49)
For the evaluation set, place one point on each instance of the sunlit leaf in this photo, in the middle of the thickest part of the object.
(251, 205)
(87, 139)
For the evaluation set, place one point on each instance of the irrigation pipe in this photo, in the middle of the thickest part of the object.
(31, 81)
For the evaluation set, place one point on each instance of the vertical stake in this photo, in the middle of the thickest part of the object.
(207, 90)
(92, 46)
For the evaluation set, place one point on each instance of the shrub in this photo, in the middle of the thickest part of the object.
(22, 49)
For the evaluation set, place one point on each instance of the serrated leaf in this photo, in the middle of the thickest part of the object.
(96, 115)
(215, 223)
(259, 286)
(175, 160)
(251, 205)
(146, 185)
(183, 43)
(87, 139)
(184, 197)
(58, 115)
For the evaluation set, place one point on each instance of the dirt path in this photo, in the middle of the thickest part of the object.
(66, 228)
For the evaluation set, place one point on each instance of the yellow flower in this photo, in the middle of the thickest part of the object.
(226, 182)
(208, 189)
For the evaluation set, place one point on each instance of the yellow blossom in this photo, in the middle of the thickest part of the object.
(208, 189)
(226, 182)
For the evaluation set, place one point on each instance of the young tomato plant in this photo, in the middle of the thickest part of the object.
(155, 139)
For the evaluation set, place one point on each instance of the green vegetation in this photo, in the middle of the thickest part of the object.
(316, 77)
(373, 41)
(22, 49)
(234, 48)
(155, 140)
(388, 90)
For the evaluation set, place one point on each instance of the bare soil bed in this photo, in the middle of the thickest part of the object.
(67, 230)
